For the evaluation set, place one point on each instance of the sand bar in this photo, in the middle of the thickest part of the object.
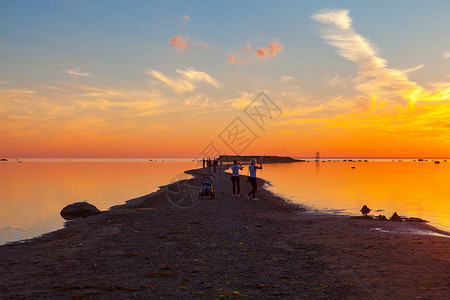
(229, 247)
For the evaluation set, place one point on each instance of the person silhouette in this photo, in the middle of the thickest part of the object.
(235, 177)
(252, 179)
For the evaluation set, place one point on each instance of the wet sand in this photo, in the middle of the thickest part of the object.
(229, 247)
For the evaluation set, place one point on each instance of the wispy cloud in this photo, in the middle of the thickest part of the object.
(374, 108)
(286, 79)
(446, 54)
(186, 19)
(202, 45)
(77, 73)
(243, 100)
(185, 83)
(179, 43)
(72, 110)
(374, 75)
(178, 85)
(194, 75)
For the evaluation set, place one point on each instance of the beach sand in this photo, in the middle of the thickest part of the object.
(229, 247)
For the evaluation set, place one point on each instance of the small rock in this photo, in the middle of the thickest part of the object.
(396, 217)
(382, 218)
(79, 210)
(365, 210)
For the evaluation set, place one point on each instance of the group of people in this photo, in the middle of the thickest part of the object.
(235, 180)
(235, 168)
(211, 163)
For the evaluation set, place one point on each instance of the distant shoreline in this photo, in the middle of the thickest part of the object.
(295, 158)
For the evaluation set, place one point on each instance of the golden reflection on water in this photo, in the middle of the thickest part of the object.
(411, 188)
(33, 193)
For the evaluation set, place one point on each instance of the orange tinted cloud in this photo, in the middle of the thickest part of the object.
(202, 45)
(249, 47)
(186, 18)
(263, 52)
(272, 50)
(233, 59)
(179, 43)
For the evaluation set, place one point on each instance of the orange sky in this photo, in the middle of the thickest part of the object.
(327, 87)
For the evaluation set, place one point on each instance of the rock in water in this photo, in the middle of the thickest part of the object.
(78, 210)
(396, 217)
(365, 210)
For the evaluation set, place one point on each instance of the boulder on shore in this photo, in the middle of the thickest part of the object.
(365, 210)
(79, 210)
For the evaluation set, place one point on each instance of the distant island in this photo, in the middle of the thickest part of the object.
(265, 159)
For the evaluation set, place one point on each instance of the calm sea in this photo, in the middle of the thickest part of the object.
(32, 193)
(409, 187)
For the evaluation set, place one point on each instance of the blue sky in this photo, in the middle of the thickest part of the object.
(120, 38)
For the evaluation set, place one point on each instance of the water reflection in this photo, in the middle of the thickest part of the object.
(33, 193)
(414, 189)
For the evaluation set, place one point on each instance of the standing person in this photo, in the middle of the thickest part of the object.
(235, 177)
(252, 179)
(215, 163)
(203, 163)
(208, 163)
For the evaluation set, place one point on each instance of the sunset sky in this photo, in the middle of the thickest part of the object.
(178, 78)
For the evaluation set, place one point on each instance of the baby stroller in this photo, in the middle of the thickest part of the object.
(206, 186)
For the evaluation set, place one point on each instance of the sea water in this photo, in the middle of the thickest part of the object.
(33, 191)
(409, 187)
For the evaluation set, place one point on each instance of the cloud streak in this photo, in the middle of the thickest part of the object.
(374, 75)
(388, 103)
(77, 73)
(186, 82)
(76, 111)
